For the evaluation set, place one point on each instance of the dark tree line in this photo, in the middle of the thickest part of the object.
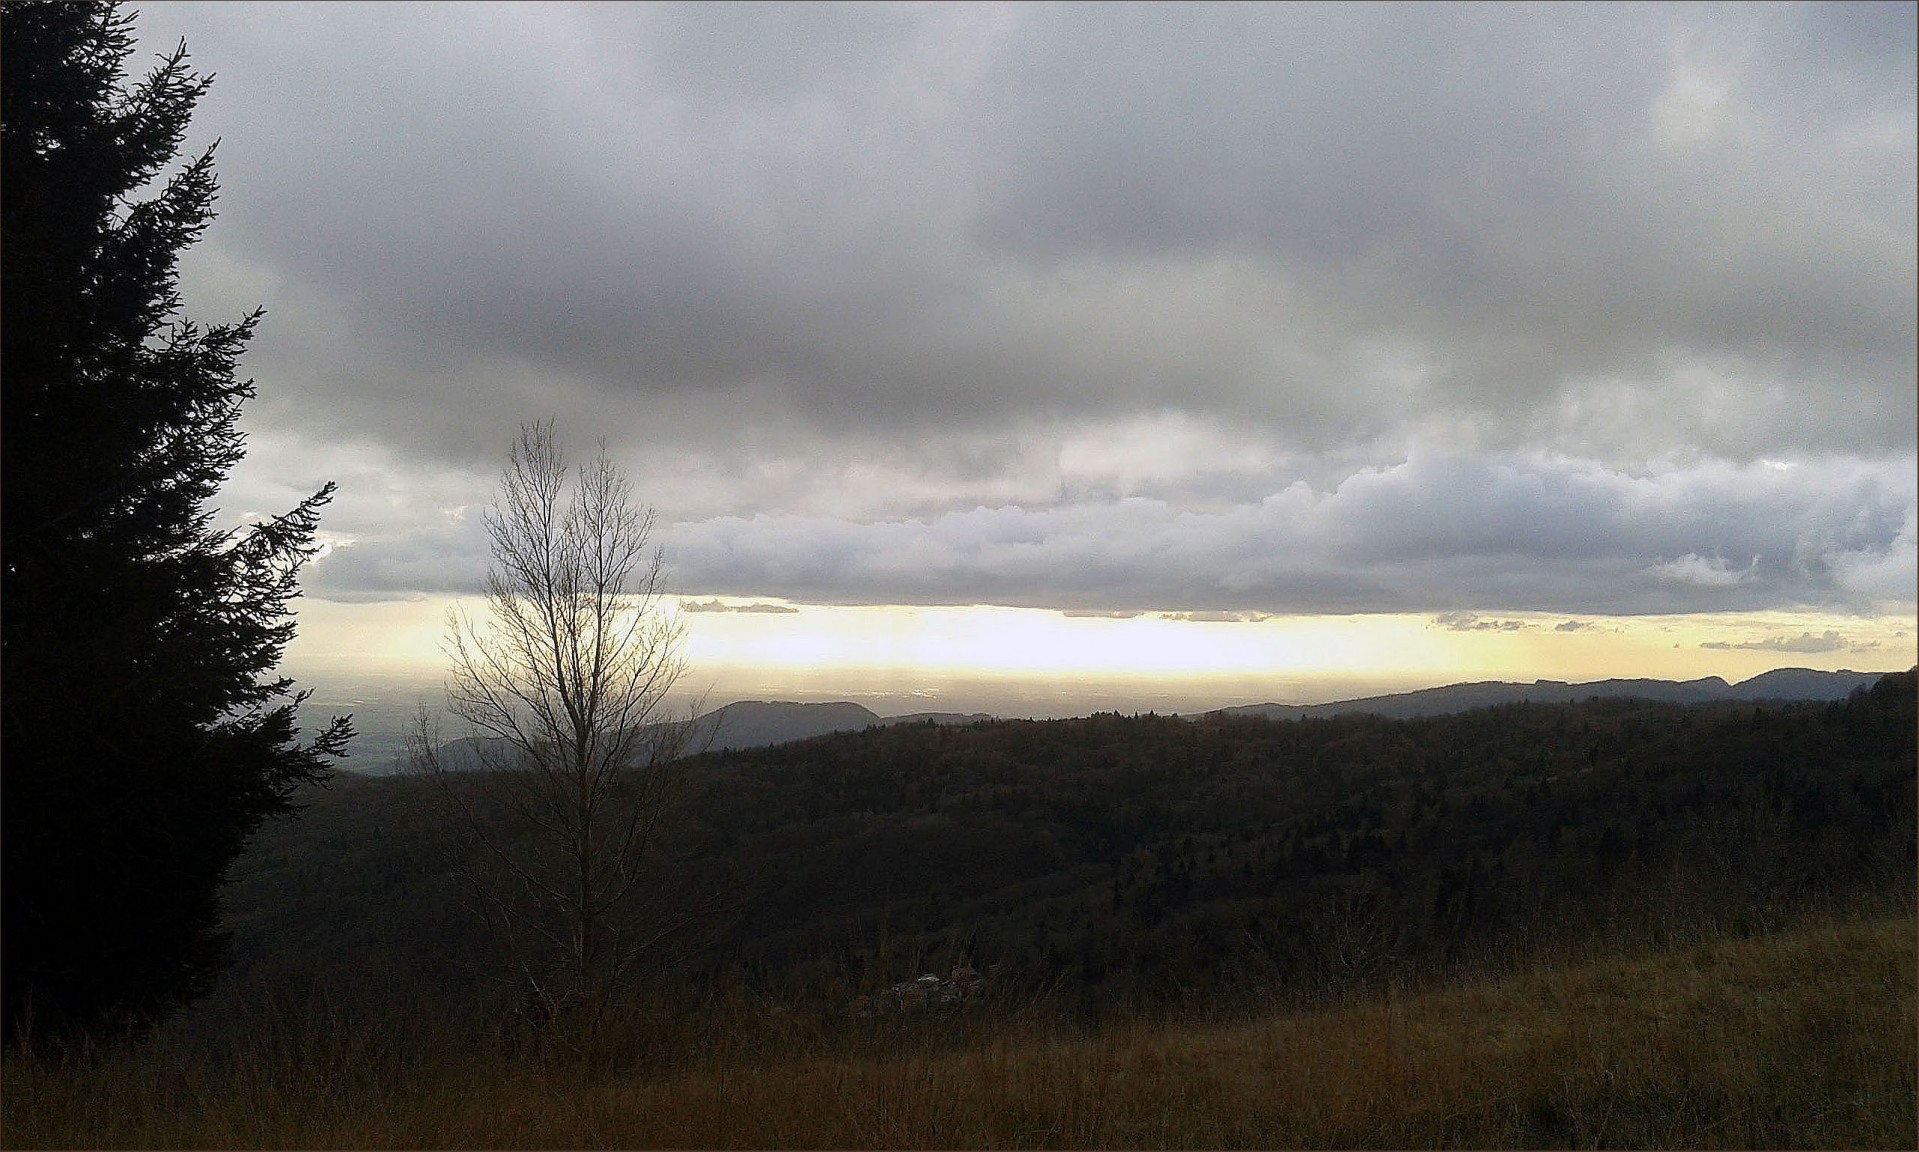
(1116, 861)
(145, 733)
(1136, 857)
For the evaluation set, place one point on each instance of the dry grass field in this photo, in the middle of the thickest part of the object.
(1804, 1039)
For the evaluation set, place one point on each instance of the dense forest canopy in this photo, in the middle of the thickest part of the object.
(1144, 859)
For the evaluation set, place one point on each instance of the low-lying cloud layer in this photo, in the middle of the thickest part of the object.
(1463, 535)
(1805, 642)
(1202, 309)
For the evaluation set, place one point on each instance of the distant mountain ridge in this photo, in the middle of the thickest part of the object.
(763, 723)
(759, 723)
(742, 724)
(1788, 684)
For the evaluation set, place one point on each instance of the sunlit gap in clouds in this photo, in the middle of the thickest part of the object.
(1027, 661)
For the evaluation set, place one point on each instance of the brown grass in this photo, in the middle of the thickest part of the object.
(1806, 1039)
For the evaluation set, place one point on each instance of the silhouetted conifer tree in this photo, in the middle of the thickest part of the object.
(144, 732)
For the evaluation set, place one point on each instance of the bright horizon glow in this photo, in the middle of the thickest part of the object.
(1066, 663)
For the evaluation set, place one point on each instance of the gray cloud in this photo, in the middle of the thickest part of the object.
(1216, 617)
(1805, 642)
(1472, 622)
(1198, 309)
(1525, 534)
(1297, 214)
(1472, 535)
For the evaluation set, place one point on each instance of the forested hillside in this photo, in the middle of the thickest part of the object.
(1147, 860)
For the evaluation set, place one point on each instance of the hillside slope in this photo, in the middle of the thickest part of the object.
(1804, 1039)
(1140, 860)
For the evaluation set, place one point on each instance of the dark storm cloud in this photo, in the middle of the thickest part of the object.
(880, 217)
(1109, 308)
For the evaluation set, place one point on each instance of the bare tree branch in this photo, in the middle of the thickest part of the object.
(564, 684)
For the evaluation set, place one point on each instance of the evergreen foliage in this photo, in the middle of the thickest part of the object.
(145, 734)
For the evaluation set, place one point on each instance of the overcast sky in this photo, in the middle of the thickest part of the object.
(1580, 309)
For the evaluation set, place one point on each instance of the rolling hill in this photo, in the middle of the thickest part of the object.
(765, 723)
(1793, 684)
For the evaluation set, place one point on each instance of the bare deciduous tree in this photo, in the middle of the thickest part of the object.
(564, 686)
